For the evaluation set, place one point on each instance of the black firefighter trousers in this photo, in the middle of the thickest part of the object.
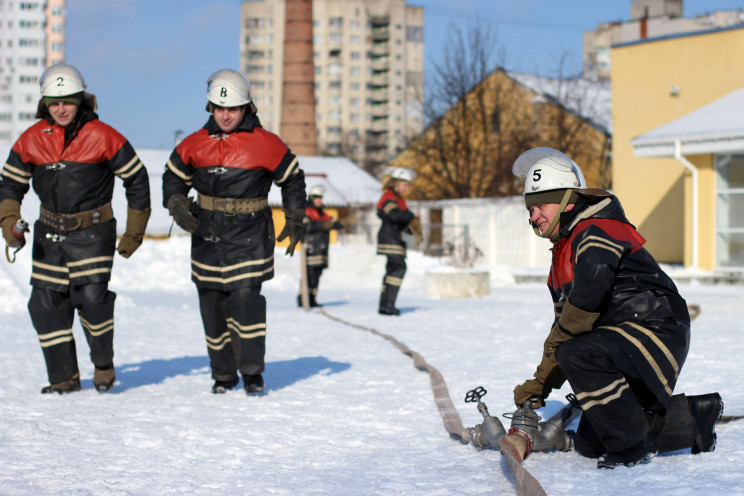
(235, 328)
(52, 314)
(395, 269)
(616, 392)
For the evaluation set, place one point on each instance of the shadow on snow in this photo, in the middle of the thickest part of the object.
(278, 374)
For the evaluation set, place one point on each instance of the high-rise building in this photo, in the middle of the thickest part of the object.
(648, 19)
(32, 37)
(369, 64)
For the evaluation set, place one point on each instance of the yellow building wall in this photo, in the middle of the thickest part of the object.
(656, 193)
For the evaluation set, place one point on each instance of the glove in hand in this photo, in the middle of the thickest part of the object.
(10, 212)
(135, 232)
(178, 206)
(292, 228)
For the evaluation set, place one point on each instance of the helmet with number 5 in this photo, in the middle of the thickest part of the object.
(61, 80)
(228, 88)
(547, 169)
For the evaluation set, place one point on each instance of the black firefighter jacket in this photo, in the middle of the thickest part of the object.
(601, 267)
(70, 175)
(230, 251)
(393, 211)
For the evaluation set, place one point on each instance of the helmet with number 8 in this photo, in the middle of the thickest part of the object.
(547, 169)
(61, 80)
(228, 88)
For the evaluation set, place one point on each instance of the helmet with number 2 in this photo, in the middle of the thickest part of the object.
(228, 88)
(547, 169)
(61, 80)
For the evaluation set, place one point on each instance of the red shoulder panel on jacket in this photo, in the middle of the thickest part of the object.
(258, 149)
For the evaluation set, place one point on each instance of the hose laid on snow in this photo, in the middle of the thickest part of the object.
(450, 417)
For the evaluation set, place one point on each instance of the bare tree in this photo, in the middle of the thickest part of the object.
(481, 119)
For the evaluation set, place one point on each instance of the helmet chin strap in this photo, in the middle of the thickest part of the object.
(551, 226)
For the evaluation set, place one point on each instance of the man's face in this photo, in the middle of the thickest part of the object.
(62, 112)
(542, 214)
(228, 118)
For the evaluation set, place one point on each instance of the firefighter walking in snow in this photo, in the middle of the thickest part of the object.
(396, 219)
(72, 158)
(231, 162)
(621, 332)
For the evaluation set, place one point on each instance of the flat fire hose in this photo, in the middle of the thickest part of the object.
(450, 417)
(526, 484)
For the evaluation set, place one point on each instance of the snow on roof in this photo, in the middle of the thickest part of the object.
(714, 128)
(586, 98)
(346, 184)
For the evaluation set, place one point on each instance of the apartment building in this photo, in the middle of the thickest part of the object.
(32, 37)
(648, 19)
(369, 65)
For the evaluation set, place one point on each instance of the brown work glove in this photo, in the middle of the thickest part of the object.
(416, 229)
(292, 228)
(547, 377)
(179, 208)
(327, 225)
(10, 212)
(348, 221)
(135, 232)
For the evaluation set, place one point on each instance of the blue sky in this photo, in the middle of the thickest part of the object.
(147, 61)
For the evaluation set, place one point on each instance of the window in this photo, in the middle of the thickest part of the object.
(355, 56)
(496, 121)
(355, 39)
(335, 37)
(729, 205)
(334, 100)
(336, 21)
(354, 102)
(355, 71)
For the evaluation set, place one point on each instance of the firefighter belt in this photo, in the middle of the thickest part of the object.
(232, 206)
(64, 223)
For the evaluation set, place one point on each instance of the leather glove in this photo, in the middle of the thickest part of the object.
(178, 206)
(292, 228)
(327, 225)
(348, 221)
(135, 232)
(547, 377)
(10, 212)
(415, 227)
(557, 336)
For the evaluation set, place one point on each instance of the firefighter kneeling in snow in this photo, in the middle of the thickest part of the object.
(318, 225)
(232, 162)
(72, 158)
(622, 330)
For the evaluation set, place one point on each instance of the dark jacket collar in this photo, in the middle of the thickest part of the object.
(249, 122)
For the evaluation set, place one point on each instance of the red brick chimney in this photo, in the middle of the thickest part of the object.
(298, 91)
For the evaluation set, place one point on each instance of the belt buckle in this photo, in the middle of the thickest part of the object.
(228, 202)
(72, 222)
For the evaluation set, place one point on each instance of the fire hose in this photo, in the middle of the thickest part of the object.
(526, 433)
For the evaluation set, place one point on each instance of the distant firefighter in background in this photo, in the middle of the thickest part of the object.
(396, 219)
(318, 225)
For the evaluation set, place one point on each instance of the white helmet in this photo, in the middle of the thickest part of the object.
(317, 191)
(228, 88)
(61, 80)
(403, 174)
(547, 169)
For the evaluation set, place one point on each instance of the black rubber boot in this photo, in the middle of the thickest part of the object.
(313, 302)
(221, 387)
(387, 307)
(639, 454)
(253, 384)
(706, 409)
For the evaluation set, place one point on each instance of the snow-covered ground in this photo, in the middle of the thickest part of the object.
(345, 412)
